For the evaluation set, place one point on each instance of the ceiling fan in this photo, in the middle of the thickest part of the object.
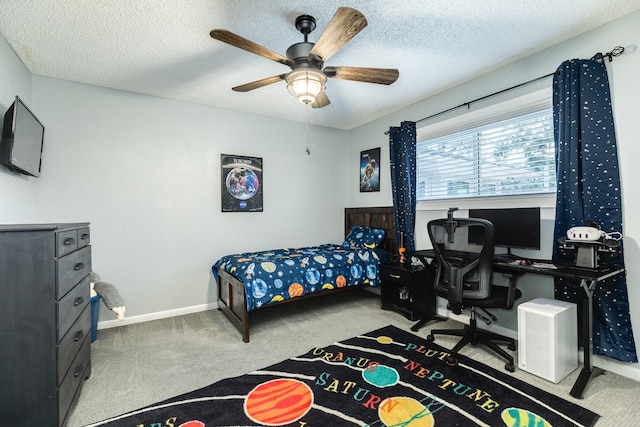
(307, 77)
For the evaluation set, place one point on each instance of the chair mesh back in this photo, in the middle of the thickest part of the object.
(462, 270)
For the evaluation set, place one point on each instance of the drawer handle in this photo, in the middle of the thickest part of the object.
(395, 276)
(78, 336)
(79, 370)
(78, 266)
(78, 301)
(84, 236)
(69, 241)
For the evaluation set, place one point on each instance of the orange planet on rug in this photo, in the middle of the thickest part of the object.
(278, 402)
(192, 424)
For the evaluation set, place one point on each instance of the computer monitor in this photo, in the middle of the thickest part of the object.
(513, 227)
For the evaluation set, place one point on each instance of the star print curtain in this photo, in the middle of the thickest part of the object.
(402, 153)
(589, 191)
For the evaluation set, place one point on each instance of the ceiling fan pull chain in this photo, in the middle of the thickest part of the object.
(308, 107)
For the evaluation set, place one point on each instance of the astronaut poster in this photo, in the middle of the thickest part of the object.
(241, 183)
(370, 170)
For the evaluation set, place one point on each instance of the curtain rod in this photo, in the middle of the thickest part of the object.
(616, 51)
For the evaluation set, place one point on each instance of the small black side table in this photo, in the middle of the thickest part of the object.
(408, 289)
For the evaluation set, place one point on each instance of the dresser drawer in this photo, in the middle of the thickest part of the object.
(84, 237)
(73, 380)
(66, 242)
(72, 341)
(72, 268)
(69, 307)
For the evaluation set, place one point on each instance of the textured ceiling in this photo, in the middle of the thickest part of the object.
(163, 47)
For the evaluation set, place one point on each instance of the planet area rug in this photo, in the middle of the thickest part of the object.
(387, 377)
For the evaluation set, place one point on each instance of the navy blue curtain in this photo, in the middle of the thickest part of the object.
(589, 191)
(402, 153)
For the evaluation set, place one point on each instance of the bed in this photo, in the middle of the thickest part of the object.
(250, 281)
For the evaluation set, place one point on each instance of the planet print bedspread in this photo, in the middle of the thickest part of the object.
(277, 275)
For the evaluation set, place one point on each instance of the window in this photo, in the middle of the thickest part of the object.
(513, 156)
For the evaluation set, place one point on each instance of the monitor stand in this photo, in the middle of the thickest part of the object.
(510, 254)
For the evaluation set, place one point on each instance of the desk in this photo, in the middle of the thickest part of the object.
(588, 277)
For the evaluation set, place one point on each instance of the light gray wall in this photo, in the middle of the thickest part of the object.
(145, 172)
(623, 76)
(16, 191)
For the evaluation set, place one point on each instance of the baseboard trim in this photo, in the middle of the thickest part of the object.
(624, 369)
(106, 324)
(627, 370)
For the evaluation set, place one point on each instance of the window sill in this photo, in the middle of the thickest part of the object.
(520, 201)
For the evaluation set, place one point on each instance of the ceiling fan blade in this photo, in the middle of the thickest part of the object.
(345, 25)
(259, 83)
(322, 100)
(383, 76)
(228, 37)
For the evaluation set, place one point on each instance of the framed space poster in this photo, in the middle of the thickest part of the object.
(241, 183)
(370, 170)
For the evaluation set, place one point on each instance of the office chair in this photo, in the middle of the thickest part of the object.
(464, 279)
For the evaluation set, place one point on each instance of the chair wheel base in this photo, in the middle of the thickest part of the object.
(472, 335)
(451, 360)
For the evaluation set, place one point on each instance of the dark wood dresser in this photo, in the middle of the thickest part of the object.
(45, 321)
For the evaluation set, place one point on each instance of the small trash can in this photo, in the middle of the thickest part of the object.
(95, 310)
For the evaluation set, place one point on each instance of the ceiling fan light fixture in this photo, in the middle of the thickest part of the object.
(306, 84)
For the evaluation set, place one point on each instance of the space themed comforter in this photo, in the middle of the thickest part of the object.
(277, 275)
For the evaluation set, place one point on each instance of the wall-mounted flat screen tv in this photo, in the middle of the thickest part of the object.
(22, 139)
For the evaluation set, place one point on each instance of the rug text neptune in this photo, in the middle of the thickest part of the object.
(371, 400)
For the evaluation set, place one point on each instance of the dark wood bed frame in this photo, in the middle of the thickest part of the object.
(231, 297)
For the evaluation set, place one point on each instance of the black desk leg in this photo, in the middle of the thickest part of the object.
(588, 371)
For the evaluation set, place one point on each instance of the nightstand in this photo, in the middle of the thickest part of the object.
(408, 289)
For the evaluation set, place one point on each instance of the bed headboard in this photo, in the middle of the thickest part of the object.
(377, 217)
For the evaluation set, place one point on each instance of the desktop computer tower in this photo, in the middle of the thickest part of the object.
(548, 338)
